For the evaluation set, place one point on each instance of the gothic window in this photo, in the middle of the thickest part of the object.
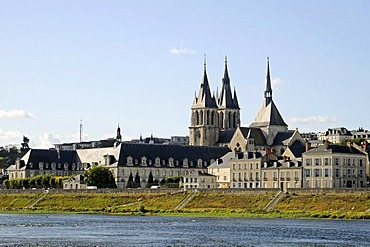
(221, 120)
(201, 117)
(234, 120)
(196, 118)
(213, 118)
(208, 117)
(230, 120)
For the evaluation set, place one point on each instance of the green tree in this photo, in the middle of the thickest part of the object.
(6, 184)
(150, 180)
(130, 182)
(100, 177)
(137, 181)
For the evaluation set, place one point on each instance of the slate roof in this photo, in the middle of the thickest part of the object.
(297, 149)
(334, 149)
(205, 99)
(35, 156)
(256, 134)
(226, 98)
(225, 136)
(268, 115)
(177, 152)
(282, 136)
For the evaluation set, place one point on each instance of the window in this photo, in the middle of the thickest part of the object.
(317, 172)
(239, 166)
(288, 174)
(360, 162)
(256, 165)
(326, 173)
(234, 176)
(251, 166)
(170, 161)
(317, 162)
(326, 162)
(143, 161)
(225, 178)
(336, 161)
(233, 166)
(307, 173)
(245, 166)
(308, 162)
(239, 176)
(282, 175)
(295, 174)
(337, 173)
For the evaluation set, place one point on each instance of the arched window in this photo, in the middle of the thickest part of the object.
(208, 117)
(234, 120)
(201, 117)
(213, 118)
(196, 118)
(221, 120)
(230, 120)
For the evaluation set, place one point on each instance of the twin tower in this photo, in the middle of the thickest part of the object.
(212, 114)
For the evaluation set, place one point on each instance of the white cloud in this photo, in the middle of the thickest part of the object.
(182, 51)
(47, 140)
(276, 83)
(11, 134)
(16, 113)
(314, 119)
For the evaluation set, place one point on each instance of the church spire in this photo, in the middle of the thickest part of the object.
(119, 136)
(226, 98)
(268, 91)
(204, 97)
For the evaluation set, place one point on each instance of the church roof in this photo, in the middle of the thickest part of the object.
(225, 136)
(268, 115)
(282, 136)
(205, 99)
(226, 98)
(254, 133)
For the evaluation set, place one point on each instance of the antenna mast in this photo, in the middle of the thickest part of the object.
(81, 131)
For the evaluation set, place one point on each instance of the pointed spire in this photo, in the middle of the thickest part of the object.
(268, 91)
(226, 73)
(226, 99)
(119, 136)
(205, 98)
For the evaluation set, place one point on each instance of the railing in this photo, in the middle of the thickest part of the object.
(275, 179)
(265, 179)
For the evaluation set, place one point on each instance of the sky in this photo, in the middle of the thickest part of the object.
(139, 63)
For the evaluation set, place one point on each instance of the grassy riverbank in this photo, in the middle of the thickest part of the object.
(354, 205)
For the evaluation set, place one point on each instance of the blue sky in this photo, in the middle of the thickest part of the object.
(138, 63)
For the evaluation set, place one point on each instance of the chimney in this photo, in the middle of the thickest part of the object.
(326, 144)
(308, 146)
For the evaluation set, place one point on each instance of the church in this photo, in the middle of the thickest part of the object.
(215, 121)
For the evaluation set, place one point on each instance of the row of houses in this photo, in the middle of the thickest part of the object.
(327, 166)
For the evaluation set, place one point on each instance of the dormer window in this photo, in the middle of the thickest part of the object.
(129, 161)
(136, 162)
(185, 163)
(65, 166)
(199, 163)
(53, 166)
(157, 161)
(170, 161)
(46, 165)
(143, 161)
(177, 163)
(41, 166)
(59, 166)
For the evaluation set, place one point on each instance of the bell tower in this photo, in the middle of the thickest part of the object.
(204, 129)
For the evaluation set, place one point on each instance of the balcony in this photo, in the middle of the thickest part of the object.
(275, 179)
(287, 179)
(296, 178)
(265, 179)
(282, 179)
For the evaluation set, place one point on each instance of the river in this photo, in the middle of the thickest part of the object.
(105, 230)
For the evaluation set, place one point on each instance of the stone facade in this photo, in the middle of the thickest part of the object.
(334, 166)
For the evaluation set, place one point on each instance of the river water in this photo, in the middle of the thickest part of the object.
(105, 230)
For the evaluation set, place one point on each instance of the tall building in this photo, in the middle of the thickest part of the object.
(268, 118)
(212, 114)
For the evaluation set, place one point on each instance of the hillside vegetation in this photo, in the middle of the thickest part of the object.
(203, 203)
